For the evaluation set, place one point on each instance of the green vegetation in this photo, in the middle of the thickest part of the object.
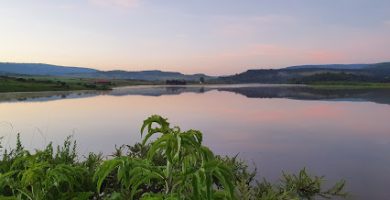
(374, 73)
(342, 80)
(47, 83)
(173, 166)
(349, 85)
(26, 84)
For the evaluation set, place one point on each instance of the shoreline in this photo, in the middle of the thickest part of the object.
(72, 87)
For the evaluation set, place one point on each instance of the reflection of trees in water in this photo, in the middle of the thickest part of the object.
(299, 93)
(175, 90)
(45, 96)
(201, 90)
(307, 93)
(179, 90)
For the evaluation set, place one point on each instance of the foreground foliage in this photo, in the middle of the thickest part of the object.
(175, 165)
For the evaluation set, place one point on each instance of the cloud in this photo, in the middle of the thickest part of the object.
(116, 3)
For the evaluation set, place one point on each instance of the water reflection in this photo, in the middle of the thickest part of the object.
(340, 134)
(249, 90)
(46, 96)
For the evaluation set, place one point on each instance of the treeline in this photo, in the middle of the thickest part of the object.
(176, 82)
(371, 73)
(255, 76)
(174, 166)
(340, 77)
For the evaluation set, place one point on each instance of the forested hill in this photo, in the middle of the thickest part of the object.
(149, 75)
(35, 69)
(378, 72)
(42, 69)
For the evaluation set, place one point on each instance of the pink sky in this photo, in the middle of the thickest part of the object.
(217, 38)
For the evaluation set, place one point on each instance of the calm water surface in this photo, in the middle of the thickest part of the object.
(340, 134)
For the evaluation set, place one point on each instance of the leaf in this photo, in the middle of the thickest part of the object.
(104, 170)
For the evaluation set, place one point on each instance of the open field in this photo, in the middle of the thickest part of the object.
(47, 83)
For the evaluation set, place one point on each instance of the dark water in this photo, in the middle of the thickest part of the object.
(337, 133)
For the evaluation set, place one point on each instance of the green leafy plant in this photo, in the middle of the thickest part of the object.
(190, 170)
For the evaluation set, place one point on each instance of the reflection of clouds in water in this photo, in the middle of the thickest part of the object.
(265, 91)
(6, 133)
(335, 138)
(249, 91)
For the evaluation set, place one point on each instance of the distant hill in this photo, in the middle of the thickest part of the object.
(330, 66)
(378, 72)
(151, 75)
(35, 69)
(42, 69)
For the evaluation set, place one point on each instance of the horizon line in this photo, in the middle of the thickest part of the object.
(260, 68)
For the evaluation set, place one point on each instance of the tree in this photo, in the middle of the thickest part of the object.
(201, 79)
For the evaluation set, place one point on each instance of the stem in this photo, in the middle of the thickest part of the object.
(169, 177)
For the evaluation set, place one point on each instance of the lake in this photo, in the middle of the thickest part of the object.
(342, 134)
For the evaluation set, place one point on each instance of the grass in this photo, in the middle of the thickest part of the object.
(49, 83)
(45, 83)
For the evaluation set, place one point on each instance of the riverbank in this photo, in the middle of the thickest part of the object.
(48, 83)
(42, 84)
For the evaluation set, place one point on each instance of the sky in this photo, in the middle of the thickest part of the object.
(217, 37)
